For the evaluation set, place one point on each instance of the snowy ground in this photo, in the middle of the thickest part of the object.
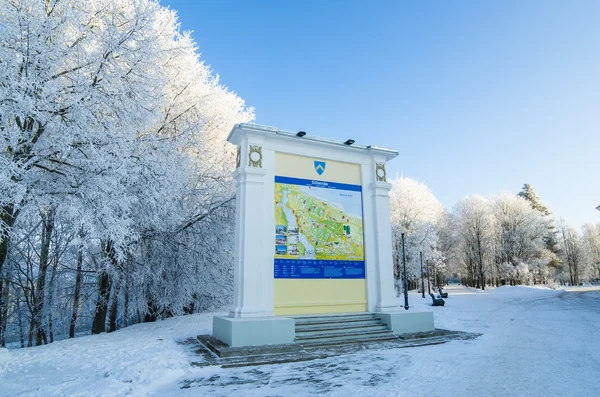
(536, 342)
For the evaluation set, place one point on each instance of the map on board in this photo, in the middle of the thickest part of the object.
(318, 229)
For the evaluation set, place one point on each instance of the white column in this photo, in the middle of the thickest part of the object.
(386, 296)
(248, 299)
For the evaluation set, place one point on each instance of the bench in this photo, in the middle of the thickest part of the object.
(437, 301)
(442, 293)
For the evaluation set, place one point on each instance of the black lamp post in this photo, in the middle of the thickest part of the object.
(428, 279)
(402, 233)
(422, 277)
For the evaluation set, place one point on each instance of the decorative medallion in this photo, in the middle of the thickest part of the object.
(238, 157)
(255, 156)
(380, 172)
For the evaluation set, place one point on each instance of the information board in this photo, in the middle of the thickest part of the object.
(318, 228)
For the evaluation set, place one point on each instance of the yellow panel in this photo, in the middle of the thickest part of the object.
(320, 296)
(304, 167)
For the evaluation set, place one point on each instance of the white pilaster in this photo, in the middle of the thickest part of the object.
(386, 296)
(251, 249)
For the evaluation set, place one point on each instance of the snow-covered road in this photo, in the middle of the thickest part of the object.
(536, 342)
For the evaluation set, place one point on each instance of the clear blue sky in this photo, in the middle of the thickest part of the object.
(478, 96)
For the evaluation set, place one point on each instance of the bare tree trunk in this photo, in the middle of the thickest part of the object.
(31, 332)
(152, 313)
(51, 298)
(77, 293)
(104, 281)
(471, 273)
(29, 295)
(7, 217)
(4, 311)
(3, 304)
(47, 228)
(50, 327)
(480, 262)
(114, 307)
(571, 278)
(99, 322)
(481, 275)
(126, 301)
(20, 319)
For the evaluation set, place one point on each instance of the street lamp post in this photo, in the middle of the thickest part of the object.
(422, 277)
(402, 233)
(428, 279)
(598, 208)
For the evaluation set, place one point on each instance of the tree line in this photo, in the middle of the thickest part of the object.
(503, 239)
(116, 203)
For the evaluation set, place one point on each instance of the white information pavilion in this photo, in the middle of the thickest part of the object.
(313, 236)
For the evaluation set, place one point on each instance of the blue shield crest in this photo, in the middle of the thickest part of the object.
(320, 167)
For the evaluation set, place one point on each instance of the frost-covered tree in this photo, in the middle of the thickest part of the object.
(507, 237)
(75, 81)
(475, 225)
(579, 254)
(571, 254)
(521, 254)
(529, 194)
(591, 246)
(114, 131)
(414, 207)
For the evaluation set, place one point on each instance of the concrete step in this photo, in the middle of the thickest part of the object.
(333, 316)
(328, 331)
(343, 335)
(334, 319)
(336, 325)
(340, 340)
(336, 329)
(348, 342)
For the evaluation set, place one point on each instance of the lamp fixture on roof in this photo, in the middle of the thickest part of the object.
(349, 142)
(301, 134)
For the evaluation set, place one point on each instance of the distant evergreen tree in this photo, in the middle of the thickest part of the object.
(529, 194)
